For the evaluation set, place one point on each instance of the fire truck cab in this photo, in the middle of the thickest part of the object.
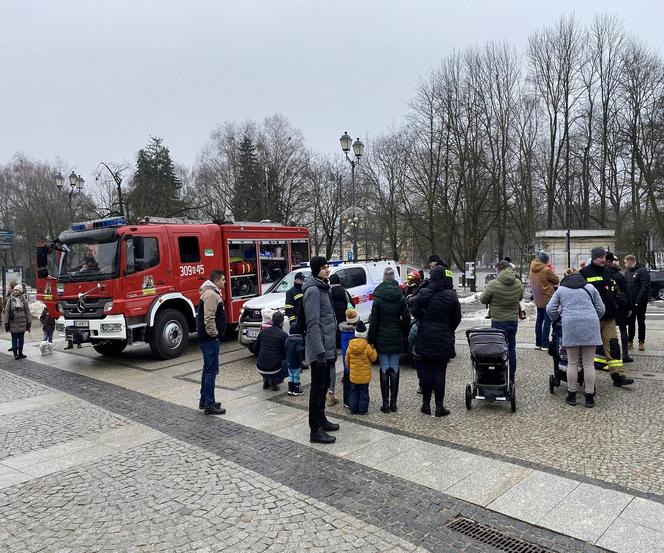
(111, 284)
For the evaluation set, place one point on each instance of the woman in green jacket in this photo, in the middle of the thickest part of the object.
(389, 324)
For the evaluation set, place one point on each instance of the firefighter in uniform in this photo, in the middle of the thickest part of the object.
(294, 305)
(608, 355)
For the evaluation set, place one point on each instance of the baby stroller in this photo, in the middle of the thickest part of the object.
(490, 367)
(559, 354)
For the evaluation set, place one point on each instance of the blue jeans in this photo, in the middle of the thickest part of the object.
(48, 336)
(359, 398)
(210, 349)
(294, 352)
(510, 327)
(542, 328)
(388, 361)
(17, 341)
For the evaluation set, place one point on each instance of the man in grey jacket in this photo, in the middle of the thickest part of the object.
(320, 342)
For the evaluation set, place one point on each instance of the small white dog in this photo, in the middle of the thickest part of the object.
(46, 348)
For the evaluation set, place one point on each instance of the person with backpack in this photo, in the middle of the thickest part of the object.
(580, 306)
(608, 355)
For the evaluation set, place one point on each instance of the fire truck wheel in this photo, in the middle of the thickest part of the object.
(110, 348)
(170, 334)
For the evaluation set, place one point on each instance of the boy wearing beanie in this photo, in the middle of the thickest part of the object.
(270, 347)
(359, 356)
(347, 332)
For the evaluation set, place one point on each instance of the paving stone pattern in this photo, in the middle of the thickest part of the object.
(619, 441)
(169, 496)
(35, 429)
(405, 509)
(14, 387)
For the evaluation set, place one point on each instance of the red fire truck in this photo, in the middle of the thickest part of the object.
(111, 283)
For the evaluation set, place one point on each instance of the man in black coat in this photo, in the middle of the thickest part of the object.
(624, 309)
(270, 347)
(638, 291)
(438, 314)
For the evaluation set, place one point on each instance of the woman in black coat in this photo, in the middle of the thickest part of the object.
(438, 312)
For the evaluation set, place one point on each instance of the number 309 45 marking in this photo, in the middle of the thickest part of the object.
(189, 270)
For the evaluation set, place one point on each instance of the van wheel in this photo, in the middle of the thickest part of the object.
(110, 348)
(170, 334)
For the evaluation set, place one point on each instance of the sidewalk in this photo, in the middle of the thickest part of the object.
(591, 510)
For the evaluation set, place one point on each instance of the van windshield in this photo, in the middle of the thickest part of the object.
(89, 260)
(282, 286)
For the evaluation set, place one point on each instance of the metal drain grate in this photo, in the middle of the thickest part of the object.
(492, 537)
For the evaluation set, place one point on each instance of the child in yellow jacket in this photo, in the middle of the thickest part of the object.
(359, 356)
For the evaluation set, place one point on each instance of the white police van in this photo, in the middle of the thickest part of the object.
(360, 279)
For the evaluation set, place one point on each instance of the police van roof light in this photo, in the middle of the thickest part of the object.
(99, 223)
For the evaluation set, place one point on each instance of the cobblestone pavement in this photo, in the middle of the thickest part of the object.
(211, 484)
(620, 441)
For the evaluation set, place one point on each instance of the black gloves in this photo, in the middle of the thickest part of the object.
(7, 327)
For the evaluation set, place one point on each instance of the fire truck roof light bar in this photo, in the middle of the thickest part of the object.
(99, 223)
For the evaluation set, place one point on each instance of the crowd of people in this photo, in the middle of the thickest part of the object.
(589, 304)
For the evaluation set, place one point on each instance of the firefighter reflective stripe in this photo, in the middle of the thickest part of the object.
(288, 305)
(599, 359)
(449, 273)
(298, 296)
(615, 363)
(600, 363)
(292, 318)
(595, 279)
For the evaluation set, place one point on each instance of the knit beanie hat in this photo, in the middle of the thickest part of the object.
(316, 263)
(352, 316)
(597, 252)
(278, 319)
(361, 330)
(543, 257)
(388, 274)
(436, 259)
(267, 315)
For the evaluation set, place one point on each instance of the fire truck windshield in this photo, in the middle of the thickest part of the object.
(89, 260)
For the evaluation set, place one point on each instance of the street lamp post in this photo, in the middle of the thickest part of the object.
(76, 183)
(118, 181)
(358, 150)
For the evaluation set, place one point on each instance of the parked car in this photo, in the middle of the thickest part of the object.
(360, 279)
(657, 284)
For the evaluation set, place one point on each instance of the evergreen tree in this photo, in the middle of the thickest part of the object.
(248, 194)
(155, 188)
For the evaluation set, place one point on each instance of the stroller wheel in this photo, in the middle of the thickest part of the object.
(552, 383)
(469, 397)
(513, 399)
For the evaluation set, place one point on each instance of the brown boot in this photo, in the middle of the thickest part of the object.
(642, 346)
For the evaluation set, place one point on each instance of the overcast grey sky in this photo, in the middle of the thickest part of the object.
(90, 80)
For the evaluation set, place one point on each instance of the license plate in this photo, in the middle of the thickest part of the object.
(83, 324)
(252, 332)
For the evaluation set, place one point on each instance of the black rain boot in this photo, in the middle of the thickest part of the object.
(620, 380)
(385, 392)
(394, 389)
(590, 400)
(571, 398)
(441, 411)
(296, 389)
(290, 388)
